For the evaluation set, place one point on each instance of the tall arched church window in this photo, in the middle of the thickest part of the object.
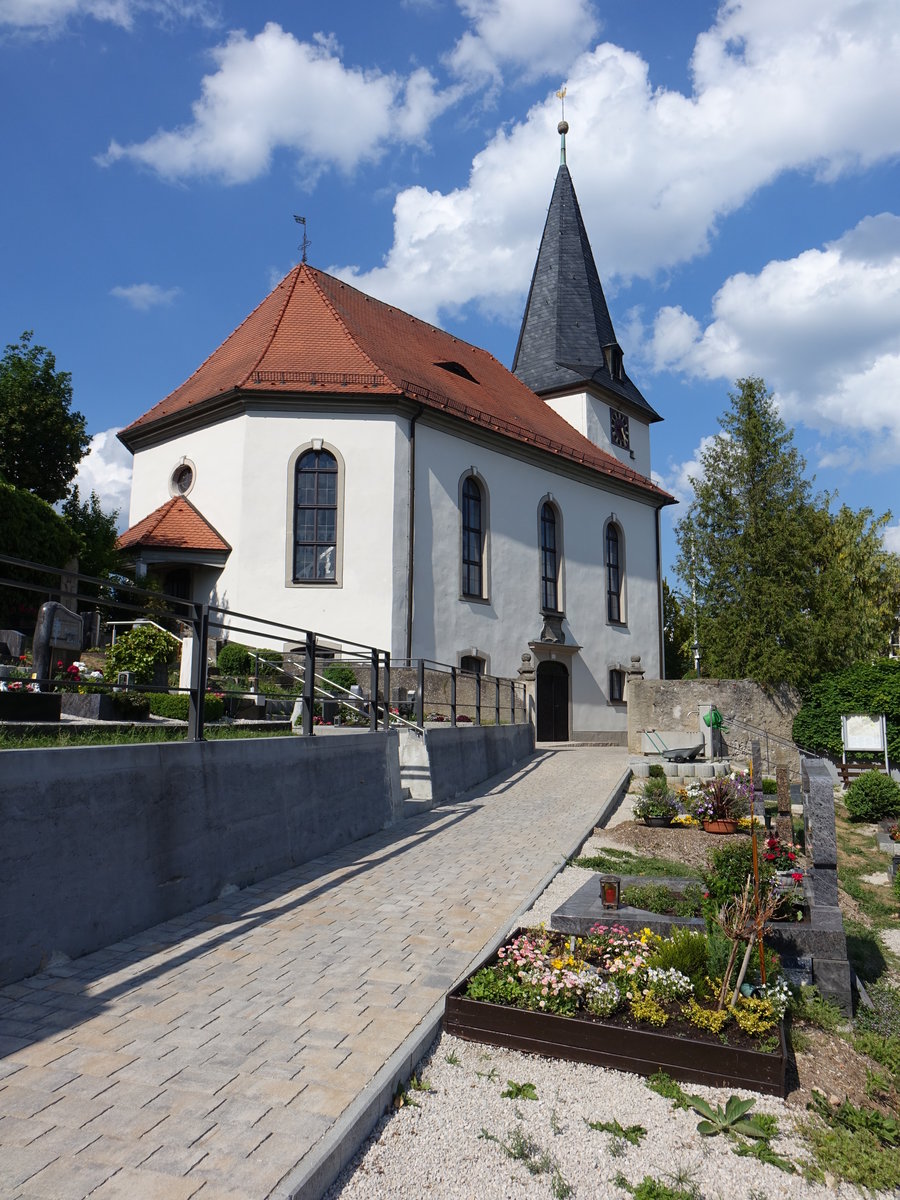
(315, 517)
(613, 574)
(549, 559)
(472, 539)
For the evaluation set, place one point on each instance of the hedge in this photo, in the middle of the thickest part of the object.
(867, 688)
(177, 707)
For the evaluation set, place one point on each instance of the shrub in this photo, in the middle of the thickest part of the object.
(685, 950)
(872, 796)
(177, 707)
(234, 659)
(344, 677)
(730, 867)
(770, 787)
(130, 706)
(872, 688)
(657, 771)
(652, 897)
(139, 650)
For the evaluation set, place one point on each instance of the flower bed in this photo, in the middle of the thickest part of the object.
(538, 996)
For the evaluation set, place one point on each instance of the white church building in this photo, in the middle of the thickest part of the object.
(340, 465)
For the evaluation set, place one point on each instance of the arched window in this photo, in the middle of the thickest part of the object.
(549, 559)
(315, 517)
(613, 575)
(472, 539)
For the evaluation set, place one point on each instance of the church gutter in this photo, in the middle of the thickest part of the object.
(411, 537)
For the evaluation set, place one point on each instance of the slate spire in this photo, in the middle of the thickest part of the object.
(567, 340)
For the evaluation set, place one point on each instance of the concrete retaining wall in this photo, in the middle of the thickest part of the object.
(97, 843)
(460, 758)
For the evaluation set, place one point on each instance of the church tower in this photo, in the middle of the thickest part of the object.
(567, 350)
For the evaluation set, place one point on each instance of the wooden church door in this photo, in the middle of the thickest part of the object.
(552, 702)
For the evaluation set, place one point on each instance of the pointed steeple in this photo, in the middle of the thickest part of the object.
(567, 340)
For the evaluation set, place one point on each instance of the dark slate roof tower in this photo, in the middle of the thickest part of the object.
(567, 342)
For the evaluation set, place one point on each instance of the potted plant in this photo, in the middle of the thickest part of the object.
(656, 806)
(721, 804)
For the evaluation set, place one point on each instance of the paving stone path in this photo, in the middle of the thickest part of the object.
(244, 1050)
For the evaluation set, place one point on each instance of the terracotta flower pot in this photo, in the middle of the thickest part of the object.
(721, 825)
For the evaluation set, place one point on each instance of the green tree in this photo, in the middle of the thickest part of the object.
(42, 439)
(858, 588)
(96, 531)
(785, 589)
(677, 635)
(30, 529)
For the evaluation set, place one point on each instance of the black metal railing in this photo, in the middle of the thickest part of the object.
(407, 693)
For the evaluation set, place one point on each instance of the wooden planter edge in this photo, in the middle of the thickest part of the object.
(637, 1051)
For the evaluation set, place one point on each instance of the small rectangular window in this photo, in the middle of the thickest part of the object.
(616, 687)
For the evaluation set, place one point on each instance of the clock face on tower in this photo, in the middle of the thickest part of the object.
(618, 429)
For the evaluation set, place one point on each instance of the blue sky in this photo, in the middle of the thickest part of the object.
(737, 165)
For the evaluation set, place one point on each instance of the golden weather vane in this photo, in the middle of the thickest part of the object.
(561, 94)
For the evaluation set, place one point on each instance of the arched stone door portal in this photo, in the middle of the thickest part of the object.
(552, 701)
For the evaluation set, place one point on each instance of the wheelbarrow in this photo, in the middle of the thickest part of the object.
(678, 754)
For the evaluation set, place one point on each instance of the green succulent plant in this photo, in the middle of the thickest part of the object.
(730, 1119)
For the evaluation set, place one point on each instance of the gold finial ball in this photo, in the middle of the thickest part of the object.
(562, 127)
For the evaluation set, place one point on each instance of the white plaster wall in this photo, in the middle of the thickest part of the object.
(244, 489)
(590, 416)
(445, 625)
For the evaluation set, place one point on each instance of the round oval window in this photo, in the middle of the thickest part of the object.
(182, 478)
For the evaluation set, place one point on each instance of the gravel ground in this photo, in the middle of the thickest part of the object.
(450, 1141)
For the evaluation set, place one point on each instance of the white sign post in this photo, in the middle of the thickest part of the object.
(866, 734)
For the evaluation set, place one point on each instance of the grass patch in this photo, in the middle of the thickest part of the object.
(664, 1085)
(626, 862)
(633, 1134)
(654, 1189)
(811, 1007)
(130, 736)
(865, 894)
(521, 1148)
(864, 950)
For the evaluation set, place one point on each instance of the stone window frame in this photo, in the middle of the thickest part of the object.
(613, 523)
(317, 445)
(473, 474)
(549, 501)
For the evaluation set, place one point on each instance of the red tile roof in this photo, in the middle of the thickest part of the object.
(175, 525)
(316, 334)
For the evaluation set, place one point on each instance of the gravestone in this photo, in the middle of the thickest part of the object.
(831, 970)
(59, 628)
(784, 826)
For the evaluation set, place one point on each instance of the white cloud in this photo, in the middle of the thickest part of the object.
(144, 296)
(531, 36)
(891, 538)
(272, 91)
(51, 16)
(821, 329)
(106, 470)
(677, 478)
(777, 87)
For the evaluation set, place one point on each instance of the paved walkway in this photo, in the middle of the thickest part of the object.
(245, 1050)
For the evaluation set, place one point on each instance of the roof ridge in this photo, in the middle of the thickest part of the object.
(163, 511)
(276, 325)
(313, 273)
